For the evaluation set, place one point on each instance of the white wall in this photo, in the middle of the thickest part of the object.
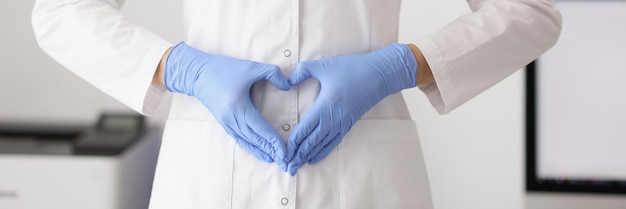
(34, 88)
(474, 154)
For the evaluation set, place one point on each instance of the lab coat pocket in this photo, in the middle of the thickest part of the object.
(195, 167)
(382, 166)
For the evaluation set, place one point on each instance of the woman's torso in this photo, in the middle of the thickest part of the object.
(379, 164)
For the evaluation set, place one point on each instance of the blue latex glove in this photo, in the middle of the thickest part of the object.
(223, 85)
(350, 86)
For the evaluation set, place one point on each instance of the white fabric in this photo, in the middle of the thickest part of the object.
(378, 165)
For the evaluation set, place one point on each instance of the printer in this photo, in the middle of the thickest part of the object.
(107, 166)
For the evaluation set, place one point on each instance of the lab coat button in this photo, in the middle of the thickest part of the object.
(286, 127)
(284, 201)
(287, 52)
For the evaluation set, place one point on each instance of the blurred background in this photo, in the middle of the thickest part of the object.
(476, 156)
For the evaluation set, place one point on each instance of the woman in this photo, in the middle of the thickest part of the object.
(292, 104)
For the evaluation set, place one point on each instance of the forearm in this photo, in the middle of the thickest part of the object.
(424, 75)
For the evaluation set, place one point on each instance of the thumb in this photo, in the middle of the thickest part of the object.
(274, 76)
(300, 74)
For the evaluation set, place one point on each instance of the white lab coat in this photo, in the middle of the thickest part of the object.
(379, 164)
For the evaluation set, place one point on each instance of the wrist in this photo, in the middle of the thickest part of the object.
(424, 74)
(398, 67)
(158, 78)
(181, 68)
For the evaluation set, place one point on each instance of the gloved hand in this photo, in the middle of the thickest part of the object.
(223, 85)
(350, 86)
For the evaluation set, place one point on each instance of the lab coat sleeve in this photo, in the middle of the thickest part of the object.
(481, 48)
(92, 39)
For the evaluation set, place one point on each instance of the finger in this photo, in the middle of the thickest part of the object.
(275, 76)
(247, 146)
(300, 74)
(255, 151)
(278, 146)
(303, 129)
(282, 164)
(292, 169)
(315, 141)
(327, 149)
(251, 137)
(335, 128)
(308, 143)
(240, 126)
(267, 134)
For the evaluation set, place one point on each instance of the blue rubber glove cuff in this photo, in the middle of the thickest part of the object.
(404, 75)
